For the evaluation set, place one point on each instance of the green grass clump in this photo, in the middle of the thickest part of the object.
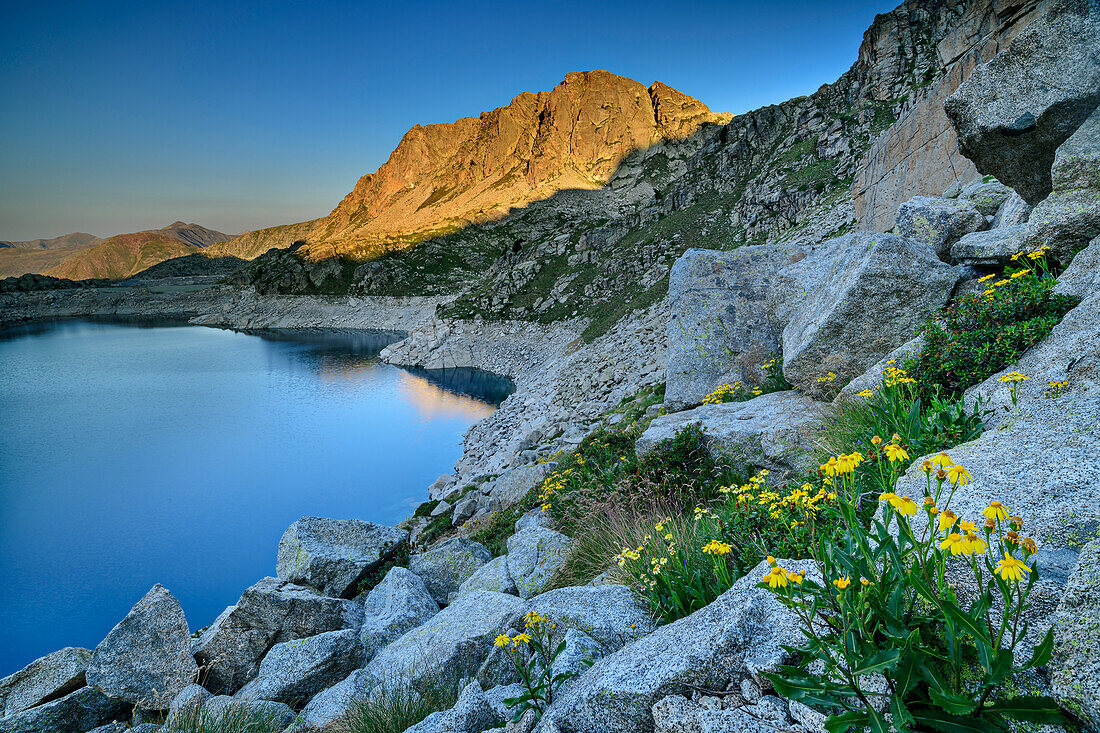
(397, 704)
(231, 719)
(399, 559)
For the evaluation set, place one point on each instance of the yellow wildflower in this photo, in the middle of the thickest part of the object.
(895, 452)
(988, 277)
(906, 506)
(521, 639)
(776, 578)
(942, 459)
(716, 547)
(955, 543)
(947, 519)
(975, 545)
(996, 510)
(1012, 569)
(842, 582)
(876, 440)
(959, 475)
(501, 640)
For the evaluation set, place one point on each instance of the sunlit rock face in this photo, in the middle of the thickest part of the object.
(444, 176)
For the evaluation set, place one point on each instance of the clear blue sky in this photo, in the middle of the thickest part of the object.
(116, 117)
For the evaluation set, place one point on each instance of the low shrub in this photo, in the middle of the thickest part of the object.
(979, 334)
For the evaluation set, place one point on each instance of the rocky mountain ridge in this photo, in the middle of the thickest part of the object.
(442, 177)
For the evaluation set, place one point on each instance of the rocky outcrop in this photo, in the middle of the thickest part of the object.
(1013, 112)
(872, 378)
(294, 671)
(991, 248)
(774, 431)
(572, 137)
(333, 555)
(1075, 662)
(492, 576)
(397, 604)
(77, 712)
(718, 332)
(609, 614)
(471, 713)
(146, 658)
(1082, 278)
(938, 221)
(271, 611)
(448, 565)
(534, 557)
(852, 300)
(456, 639)
(1070, 216)
(47, 678)
(742, 632)
(919, 154)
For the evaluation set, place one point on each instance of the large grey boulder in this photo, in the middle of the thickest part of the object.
(854, 299)
(534, 557)
(1064, 221)
(46, 678)
(1077, 160)
(447, 565)
(190, 697)
(329, 707)
(1075, 662)
(774, 431)
(333, 555)
(986, 196)
(718, 332)
(512, 485)
(270, 612)
(457, 639)
(1013, 211)
(937, 221)
(1082, 278)
(743, 631)
(991, 248)
(1013, 112)
(471, 713)
(77, 712)
(609, 614)
(294, 671)
(399, 603)
(492, 576)
(146, 658)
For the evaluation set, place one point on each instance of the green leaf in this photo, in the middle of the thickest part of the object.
(885, 659)
(970, 625)
(1042, 652)
(795, 688)
(1032, 709)
(845, 721)
(952, 703)
(941, 721)
(902, 718)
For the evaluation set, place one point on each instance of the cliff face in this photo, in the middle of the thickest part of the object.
(919, 154)
(443, 177)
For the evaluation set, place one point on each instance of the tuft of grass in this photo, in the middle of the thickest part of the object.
(395, 704)
(231, 719)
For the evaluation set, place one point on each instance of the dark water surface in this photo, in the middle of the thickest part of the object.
(178, 454)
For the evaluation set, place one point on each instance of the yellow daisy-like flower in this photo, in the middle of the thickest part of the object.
(905, 506)
(771, 560)
(947, 519)
(842, 582)
(715, 547)
(895, 452)
(1030, 546)
(955, 543)
(1013, 377)
(866, 393)
(500, 641)
(876, 440)
(796, 577)
(996, 510)
(521, 639)
(987, 278)
(967, 526)
(975, 545)
(1012, 569)
(776, 578)
(889, 496)
(958, 475)
(942, 459)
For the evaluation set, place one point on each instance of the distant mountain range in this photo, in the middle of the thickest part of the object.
(79, 256)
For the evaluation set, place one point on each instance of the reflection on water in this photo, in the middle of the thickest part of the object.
(131, 456)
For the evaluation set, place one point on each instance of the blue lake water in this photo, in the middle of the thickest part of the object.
(178, 455)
